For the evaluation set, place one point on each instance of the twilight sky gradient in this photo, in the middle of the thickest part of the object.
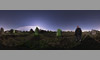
(50, 19)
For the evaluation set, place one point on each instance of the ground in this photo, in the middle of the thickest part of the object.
(49, 41)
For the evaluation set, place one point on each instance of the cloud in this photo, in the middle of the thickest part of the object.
(27, 28)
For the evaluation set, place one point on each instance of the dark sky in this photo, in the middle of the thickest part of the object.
(51, 19)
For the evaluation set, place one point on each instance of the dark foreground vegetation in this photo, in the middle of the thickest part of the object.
(48, 41)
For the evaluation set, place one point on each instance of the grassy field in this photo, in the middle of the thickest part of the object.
(49, 41)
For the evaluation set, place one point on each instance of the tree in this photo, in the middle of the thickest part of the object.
(12, 31)
(42, 31)
(59, 33)
(31, 31)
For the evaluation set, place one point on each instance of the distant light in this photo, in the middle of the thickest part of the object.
(27, 28)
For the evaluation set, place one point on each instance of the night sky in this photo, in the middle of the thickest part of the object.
(50, 19)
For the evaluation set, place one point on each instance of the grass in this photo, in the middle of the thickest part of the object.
(48, 41)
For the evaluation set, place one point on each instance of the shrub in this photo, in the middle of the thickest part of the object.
(12, 31)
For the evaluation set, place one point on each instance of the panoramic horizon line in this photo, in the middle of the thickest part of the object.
(27, 28)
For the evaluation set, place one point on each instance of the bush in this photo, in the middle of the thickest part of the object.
(31, 31)
(12, 31)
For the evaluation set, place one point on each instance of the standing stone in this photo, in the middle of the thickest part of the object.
(59, 33)
(36, 31)
(1, 31)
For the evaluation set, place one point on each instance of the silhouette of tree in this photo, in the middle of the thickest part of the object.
(12, 31)
(42, 31)
(31, 31)
(17, 31)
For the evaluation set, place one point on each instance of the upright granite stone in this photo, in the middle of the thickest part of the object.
(59, 33)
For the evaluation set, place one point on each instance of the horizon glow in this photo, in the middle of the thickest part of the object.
(51, 19)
